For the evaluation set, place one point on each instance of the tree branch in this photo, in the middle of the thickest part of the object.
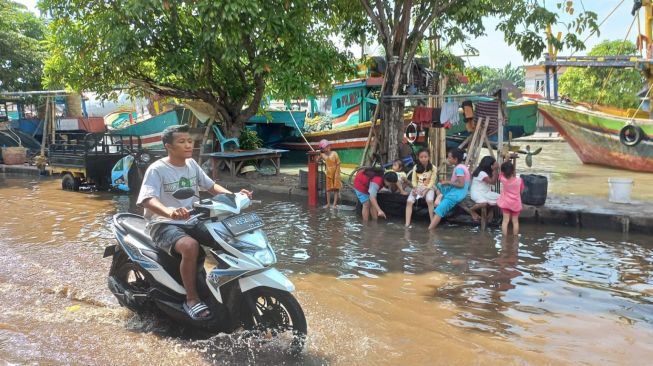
(255, 104)
(418, 31)
(377, 23)
(163, 89)
(383, 18)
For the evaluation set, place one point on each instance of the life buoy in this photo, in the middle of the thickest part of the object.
(631, 135)
(410, 138)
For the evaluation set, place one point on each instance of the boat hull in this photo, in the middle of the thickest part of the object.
(150, 130)
(594, 137)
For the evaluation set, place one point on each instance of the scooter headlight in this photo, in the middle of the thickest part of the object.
(145, 157)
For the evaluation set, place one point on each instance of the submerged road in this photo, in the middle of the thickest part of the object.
(372, 294)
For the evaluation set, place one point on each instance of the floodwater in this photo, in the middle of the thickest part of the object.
(569, 176)
(372, 294)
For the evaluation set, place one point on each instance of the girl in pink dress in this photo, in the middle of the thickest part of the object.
(510, 198)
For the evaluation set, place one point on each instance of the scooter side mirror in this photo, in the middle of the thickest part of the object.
(183, 193)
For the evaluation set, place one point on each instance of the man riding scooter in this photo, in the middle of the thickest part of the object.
(162, 178)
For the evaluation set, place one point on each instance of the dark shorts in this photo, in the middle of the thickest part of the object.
(166, 236)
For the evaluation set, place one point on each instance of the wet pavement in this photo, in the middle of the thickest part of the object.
(372, 294)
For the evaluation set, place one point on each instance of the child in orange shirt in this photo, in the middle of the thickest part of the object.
(333, 182)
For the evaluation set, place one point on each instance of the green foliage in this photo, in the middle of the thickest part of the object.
(486, 80)
(21, 55)
(249, 140)
(608, 86)
(401, 26)
(228, 53)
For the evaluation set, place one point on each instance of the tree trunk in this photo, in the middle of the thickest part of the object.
(74, 105)
(392, 129)
(392, 124)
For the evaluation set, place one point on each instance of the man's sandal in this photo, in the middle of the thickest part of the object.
(197, 309)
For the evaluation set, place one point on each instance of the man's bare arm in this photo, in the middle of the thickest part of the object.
(153, 204)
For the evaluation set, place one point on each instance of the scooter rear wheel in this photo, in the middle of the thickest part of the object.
(275, 314)
(132, 279)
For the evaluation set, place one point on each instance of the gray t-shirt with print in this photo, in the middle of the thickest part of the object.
(162, 179)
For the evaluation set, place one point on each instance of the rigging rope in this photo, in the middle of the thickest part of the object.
(642, 103)
(548, 80)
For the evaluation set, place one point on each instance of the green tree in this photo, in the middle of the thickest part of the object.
(608, 86)
(400, 27)
(21, 55)
(486, 79)
(227, 53)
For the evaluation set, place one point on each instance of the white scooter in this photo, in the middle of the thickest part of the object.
(242, 291)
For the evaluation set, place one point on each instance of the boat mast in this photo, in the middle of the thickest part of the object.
(648, 27)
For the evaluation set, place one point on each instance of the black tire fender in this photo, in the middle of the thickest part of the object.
(631, 135)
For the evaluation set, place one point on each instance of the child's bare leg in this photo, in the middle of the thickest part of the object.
(434, 222)
(409, 212)
(438, 198)
(473, 211)
(336, 195)
(515, 224)
(431, 206)
(366, 211)
(504, 224)
(328, 196)
(490, 213)
(373, 212)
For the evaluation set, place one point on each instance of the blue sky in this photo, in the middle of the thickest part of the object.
(496, 53)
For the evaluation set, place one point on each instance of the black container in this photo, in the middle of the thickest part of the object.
(535, 189)
(303, 180)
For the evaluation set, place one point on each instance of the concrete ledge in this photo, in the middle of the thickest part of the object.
(593, 213)
(27, 170)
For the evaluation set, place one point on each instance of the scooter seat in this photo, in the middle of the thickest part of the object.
(135, 225)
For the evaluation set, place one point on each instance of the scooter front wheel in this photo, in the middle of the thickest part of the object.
(275, 314)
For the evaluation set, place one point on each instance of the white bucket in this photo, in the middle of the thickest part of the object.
(620, 189)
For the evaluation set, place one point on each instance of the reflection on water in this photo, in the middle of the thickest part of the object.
(373, 293)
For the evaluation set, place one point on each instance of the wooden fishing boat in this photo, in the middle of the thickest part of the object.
(348, 124)
(607, 137)
(150, 130)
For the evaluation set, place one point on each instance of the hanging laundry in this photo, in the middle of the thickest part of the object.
(435, 121)
(422, 116)
(449, 114)
(491, 110)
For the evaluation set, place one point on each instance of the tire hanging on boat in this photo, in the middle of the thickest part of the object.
(631, 135)
(408, 132)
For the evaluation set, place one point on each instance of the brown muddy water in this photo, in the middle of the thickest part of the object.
(372, 294)
(569, 176)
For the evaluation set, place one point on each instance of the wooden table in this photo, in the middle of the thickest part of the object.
(234, 160)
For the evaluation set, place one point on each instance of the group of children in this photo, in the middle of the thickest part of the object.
(441, 197)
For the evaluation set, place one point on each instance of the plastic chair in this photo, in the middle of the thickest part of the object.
(223, 140)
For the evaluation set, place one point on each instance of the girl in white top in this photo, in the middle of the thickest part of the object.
(483, 178)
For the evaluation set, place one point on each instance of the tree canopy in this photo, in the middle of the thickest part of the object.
(400, 27)
(228, 53)
(485, 79)
(21, 55)
(608, 86)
